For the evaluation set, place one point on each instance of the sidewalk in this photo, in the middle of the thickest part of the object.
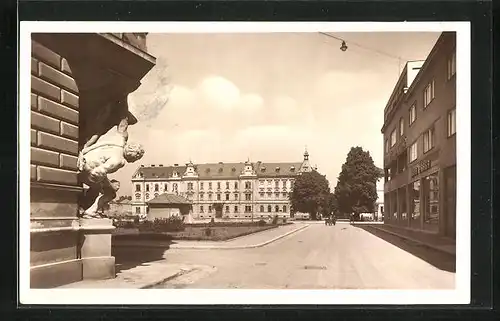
(435, 242)
(254, 240)
(143, 276)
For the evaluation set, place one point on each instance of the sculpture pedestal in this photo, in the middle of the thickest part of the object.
(97, 262)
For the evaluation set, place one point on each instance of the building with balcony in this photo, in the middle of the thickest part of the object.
(244, 190)
(420, 144)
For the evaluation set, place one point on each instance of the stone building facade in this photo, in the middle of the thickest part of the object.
(72, 77)
(420, 144)
(246, 190)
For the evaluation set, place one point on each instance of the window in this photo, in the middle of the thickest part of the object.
(227, 197)
(248, 197)
(284, 208)
(401, 126)
(147, 188)
(386, 146)
(413, 113)
(201, 209)
(137, 210)
(235, 185)
(451, 66)
(227, 209)
(428, 140)
(210, 185)
(236, 209)
(175, 187)
(166, 187)
(262, 208)
(393, 137)
(277, 184)
(413, 152)
(428, 93)
(248, 185)
(236, 197)
(218, 197)
(227, 185)
(210, 196)
(276, 208)
(137, 196)
(157, 188)
(190, 186)
(137, 188)
(248, 209)
(201, 185)
(269, 208)
(452, 125)
(209, 208)
(218, 185)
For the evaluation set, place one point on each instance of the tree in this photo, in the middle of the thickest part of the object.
(356, 190)
(310, 194)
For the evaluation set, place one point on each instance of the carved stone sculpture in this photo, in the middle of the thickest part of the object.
(103, 154)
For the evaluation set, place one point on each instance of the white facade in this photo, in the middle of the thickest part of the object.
(245, 190)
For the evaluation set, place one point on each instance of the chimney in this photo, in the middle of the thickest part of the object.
(152, 165)
(176, 164)
(161, 165)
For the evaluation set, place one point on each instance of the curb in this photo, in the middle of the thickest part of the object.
(217, 247)
(168, 278)
(433, 247)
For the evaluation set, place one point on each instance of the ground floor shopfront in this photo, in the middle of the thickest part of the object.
(427, 202)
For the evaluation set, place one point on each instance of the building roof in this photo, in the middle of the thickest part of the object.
(221, 170)
(278, 169)
(167, 198)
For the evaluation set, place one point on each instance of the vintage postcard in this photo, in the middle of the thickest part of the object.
(244, 163)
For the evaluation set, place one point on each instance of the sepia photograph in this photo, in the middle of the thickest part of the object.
(240, 163)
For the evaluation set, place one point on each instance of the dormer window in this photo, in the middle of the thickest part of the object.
(207, 170)
(175, 174)
(220, 170)
(233, 169)
(292, 169)
(263, 169)
(277, 168)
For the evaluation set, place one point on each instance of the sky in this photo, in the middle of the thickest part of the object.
(266, 97)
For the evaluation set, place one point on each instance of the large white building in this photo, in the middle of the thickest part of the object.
(243, 190)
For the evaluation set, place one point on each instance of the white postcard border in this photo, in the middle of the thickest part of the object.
(461, 294)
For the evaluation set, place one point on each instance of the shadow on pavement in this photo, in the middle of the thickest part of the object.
(129, 255)
(440, 260)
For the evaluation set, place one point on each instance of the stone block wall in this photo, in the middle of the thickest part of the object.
(54, 252)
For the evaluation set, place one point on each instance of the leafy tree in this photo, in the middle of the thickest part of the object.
(356, 190)
(310, 194)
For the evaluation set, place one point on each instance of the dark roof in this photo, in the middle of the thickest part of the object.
(277, 169)
(167, 198)
(222, 170)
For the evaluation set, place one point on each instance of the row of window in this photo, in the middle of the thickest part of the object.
(428, 97)
(248, 208)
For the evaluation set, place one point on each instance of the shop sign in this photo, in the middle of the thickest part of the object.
(423, 166)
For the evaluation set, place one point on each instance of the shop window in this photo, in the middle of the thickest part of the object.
(431, 202)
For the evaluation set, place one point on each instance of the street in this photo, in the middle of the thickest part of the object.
(318, 257)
